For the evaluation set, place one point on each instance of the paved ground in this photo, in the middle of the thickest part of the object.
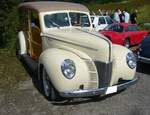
(19, 96)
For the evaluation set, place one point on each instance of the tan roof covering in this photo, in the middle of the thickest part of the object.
(53, 6)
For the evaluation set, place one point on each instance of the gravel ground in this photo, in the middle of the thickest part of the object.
(21, 96)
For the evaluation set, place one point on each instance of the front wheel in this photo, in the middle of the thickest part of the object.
(49, 91)
(127, 43)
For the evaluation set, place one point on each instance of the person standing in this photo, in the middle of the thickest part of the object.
(116, 15)
(122, 17)
(126, 16)
(134, 17)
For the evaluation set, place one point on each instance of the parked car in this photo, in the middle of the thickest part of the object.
(124, 34)
(72, 60)
(100, 22)
(144, 50)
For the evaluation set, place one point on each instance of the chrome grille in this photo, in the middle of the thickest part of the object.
(104, 73)
(93, 74)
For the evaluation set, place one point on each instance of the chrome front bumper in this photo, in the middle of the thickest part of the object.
(101, 91)
(143, 59)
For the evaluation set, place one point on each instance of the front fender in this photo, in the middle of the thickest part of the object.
(120, 67)
(52, 59)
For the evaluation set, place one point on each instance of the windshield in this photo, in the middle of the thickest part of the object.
(115, 27)
(65, 19)
(109, 20)
(56, 20)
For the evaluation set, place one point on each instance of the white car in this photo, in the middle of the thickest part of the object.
(100, 22)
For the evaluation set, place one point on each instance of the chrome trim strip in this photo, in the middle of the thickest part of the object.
(143, 59)
(94, 92)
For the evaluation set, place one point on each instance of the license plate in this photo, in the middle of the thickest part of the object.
(111, 90)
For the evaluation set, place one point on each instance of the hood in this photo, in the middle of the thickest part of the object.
(90, 42)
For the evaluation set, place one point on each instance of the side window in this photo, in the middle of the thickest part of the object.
(134, 28)
(114, 28)
(131, 28)
(35, 19)
(118, 28)
(101, 21)
(35, 27)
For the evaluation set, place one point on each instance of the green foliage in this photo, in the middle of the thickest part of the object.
(144, 14)
(144, 17)
(129, 5)
(9, 22)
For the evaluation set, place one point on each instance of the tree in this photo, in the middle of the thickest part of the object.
(9, 21)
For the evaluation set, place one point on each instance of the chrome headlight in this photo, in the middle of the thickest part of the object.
(131, 60)
(68, 68)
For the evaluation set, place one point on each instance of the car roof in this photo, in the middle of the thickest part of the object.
(44, 6)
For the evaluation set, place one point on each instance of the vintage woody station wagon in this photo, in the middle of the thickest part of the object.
(73, 60)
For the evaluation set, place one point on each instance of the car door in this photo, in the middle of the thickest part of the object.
(131, 34)
(35, 38)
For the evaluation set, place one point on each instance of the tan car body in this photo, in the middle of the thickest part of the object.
(82, 45)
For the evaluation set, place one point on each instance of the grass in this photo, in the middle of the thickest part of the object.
(11, 70)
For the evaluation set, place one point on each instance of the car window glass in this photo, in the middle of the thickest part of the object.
(109, 27)
(132, 28)
(79, 19)
(35, 19)
(109, 20)
(101, 21)
(117, 28)
(56, 20)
